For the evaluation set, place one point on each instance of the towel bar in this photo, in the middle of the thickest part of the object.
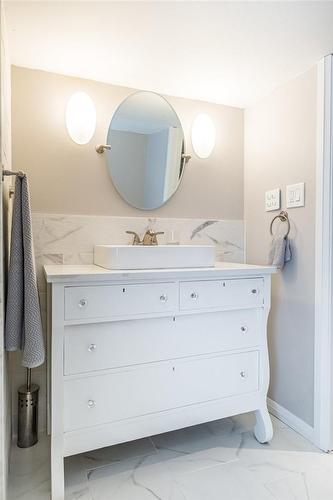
(12, 172)
(11, 191)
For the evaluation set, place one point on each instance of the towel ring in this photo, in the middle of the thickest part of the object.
(283, 216)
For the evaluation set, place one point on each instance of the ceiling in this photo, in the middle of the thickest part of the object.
(225, 52)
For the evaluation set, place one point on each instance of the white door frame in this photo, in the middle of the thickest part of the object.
(323, 360)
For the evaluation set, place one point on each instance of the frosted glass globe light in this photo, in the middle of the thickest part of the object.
(80, 118)
(203, 135)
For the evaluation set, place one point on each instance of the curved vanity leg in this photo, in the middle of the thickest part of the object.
(263, 429)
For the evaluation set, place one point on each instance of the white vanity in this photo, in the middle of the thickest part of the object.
(141, 352)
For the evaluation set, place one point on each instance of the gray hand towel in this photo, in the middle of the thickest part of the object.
(280, 252)
(23, 328)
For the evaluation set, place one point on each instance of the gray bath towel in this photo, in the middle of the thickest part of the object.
(23, 328)
(280, 252)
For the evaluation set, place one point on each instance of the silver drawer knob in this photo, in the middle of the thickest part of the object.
(163, 297)
(243, 374)
(254, 291)
(194, 295)
(91, 403)
(83, 302)
(92, 348)
(243, 329)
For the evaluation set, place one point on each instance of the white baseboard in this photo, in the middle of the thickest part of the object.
(291, 420)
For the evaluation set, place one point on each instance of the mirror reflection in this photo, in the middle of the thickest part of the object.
(147, 145)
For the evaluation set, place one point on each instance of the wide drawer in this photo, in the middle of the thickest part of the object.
(157, 387)
(119, 300)
(99, 346)
(222, 294)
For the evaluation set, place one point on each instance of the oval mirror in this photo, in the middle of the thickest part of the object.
(146, 157)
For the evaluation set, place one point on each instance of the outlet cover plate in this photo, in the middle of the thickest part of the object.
(273, 200)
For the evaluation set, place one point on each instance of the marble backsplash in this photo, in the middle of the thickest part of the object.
(70, 239)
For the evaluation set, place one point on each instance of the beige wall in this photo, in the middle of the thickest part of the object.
(280, 149)
(67, 178)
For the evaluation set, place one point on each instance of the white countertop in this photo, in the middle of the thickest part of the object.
(93, 273)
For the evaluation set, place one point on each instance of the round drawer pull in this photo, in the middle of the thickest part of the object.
(243, 374)
(163, 297)
(92, 348)
(83, 303)
(91, 403)
(254, 290)
(194, 295)
(244, 329)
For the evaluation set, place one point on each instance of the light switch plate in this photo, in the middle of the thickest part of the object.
(295, 195)
(273, 200)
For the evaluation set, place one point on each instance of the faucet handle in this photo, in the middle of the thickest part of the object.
(154, 235)
(136, 238)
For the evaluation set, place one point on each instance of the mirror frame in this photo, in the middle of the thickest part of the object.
(108, 147)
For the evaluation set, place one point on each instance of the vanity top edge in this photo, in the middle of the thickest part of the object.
(145, 247)
(60, 273)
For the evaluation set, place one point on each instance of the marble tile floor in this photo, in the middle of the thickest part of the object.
(216, 461)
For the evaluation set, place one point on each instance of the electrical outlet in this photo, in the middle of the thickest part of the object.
(273, 200)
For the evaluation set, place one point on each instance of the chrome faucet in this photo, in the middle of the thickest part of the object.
(149, 239)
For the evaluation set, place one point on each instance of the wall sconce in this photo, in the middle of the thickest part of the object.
(203, 135)
(80, 118)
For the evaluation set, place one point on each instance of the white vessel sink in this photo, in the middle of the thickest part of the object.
(153, 257)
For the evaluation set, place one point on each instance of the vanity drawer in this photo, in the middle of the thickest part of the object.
(158, 387)
(214, 294)
(99, 346)
(106, 301)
